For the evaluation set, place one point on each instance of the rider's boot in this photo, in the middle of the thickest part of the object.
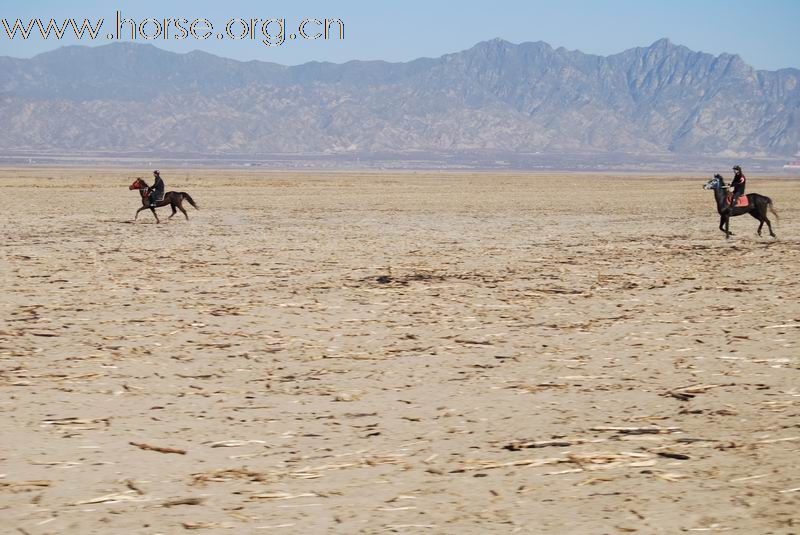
(729, 208)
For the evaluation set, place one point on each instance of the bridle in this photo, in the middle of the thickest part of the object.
(716, 183)
(140, 186)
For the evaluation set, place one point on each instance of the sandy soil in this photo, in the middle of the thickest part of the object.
(410, 353)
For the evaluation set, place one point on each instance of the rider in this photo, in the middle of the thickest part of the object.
(737, 184)
(157, 189)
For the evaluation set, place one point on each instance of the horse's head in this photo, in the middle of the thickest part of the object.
(715, 183)
(138, 184)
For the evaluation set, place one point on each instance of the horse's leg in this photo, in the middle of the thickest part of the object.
(728, 233)
(765, 219)
(723, 224)
(137, 212)
(174, 211)
(155, 215)
(758, 215)
(180, 207)
(769, 226)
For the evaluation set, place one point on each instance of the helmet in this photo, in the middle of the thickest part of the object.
(156, 172)
(737, 168)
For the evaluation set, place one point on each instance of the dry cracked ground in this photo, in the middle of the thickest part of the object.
(396, 352)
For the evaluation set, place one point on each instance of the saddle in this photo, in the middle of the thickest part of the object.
(741, 201)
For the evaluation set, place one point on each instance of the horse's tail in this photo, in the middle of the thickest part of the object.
(771, 207)
(189, 198)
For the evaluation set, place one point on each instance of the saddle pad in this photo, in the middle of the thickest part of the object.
(741, 201)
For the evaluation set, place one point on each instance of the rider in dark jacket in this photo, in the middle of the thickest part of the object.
(738, 185)
(157, 189)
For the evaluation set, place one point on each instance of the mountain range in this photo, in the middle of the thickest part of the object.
(496, 97)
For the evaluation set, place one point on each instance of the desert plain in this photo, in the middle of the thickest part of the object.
(396, 352)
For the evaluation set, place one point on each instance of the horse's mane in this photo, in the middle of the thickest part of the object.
(143, 182)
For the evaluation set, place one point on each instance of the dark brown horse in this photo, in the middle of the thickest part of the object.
(757, 206)
(172, 198)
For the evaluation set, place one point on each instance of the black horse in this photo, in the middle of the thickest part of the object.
(172, 198)
(757, 206)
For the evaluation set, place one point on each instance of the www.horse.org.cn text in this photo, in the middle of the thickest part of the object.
(267, 31)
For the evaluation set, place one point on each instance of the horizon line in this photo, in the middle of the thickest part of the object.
(667, 40)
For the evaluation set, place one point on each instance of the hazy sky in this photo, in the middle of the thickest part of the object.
(765, 33)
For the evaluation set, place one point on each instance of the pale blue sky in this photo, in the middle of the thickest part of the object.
(765, 33)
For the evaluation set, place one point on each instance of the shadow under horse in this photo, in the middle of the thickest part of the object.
(172, 198)
(757, 206)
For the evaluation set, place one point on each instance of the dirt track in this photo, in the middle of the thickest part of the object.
(411, 353)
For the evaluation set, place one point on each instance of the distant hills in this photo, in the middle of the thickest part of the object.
(496, 97)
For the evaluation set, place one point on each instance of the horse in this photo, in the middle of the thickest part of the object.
(172, 198)
(757, 206)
